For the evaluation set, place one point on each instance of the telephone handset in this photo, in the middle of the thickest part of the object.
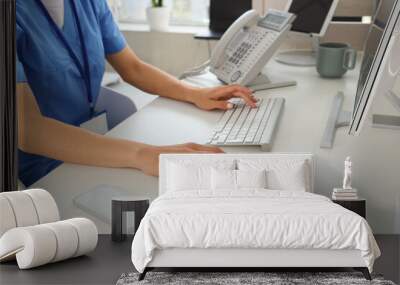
(242, 23)
(248, 44)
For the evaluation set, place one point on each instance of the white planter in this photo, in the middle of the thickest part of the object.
(158, 18)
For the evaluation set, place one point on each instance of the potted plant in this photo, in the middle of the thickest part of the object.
(158, 16)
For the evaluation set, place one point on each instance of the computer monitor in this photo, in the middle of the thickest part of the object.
(379, 66)
(312, 18)
(379, 69)
(224, 12)
(221, 17)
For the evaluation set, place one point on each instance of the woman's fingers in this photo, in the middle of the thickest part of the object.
(217, 98)
(224, 90)
(248, 99)
(151, 155)
(222, 105)
(242, 89)
(232, 91)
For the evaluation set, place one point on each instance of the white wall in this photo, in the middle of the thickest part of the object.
(172, 52)
(376, 169)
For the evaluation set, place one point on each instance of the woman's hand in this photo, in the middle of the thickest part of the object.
(148, 156)
(217, 97)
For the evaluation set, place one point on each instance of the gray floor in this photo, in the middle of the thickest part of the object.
(103, 266)
(110, 260)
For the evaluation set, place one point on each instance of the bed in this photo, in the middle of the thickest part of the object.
(248, 211)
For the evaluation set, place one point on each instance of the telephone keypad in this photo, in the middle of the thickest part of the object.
(247, 53)
(246, 48)
(241, 52)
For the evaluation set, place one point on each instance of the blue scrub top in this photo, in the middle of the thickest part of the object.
(43, 60)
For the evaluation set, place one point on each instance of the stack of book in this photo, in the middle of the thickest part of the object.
(344, 194)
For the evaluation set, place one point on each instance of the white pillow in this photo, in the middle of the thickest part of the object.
(225, 179)
(190, 176)
(293, 179)
(282, 174)
(183, 177)
(251, 178)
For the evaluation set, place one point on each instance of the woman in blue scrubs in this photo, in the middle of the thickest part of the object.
(62, 46)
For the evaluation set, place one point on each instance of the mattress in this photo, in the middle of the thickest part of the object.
(251, 219)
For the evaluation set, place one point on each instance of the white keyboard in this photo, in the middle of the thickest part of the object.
(244, 125)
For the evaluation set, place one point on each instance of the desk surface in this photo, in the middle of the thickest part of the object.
(164, 122)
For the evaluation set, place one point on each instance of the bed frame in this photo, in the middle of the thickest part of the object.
(259, 259)
(238, 259)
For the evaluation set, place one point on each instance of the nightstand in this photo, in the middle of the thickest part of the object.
(357, 206)
(138, 205)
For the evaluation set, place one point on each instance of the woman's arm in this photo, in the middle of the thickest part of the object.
(48, 137)
(152, 80)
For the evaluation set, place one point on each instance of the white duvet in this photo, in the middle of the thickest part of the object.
(250, 219)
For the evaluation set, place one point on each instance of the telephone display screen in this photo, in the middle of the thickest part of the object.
(272, 19)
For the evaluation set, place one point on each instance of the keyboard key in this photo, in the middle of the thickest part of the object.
(238, 125)
(270, 126)
(264, 122)
(233, 141)
(224, 119)
(257, 121)
(249, 120)
(228, 127)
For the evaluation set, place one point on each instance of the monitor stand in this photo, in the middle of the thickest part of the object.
(337, 118)
(388, 121)
(340, 118)
(264, 82)
(300, 57)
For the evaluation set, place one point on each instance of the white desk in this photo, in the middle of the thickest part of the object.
(164, 122)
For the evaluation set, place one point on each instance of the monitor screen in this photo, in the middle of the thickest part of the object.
(221, 17)
(311, 15)
(374, 39)
(374, 49)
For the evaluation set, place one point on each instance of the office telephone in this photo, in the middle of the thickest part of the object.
(247, 46)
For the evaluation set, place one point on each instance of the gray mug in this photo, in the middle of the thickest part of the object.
(334, 59)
